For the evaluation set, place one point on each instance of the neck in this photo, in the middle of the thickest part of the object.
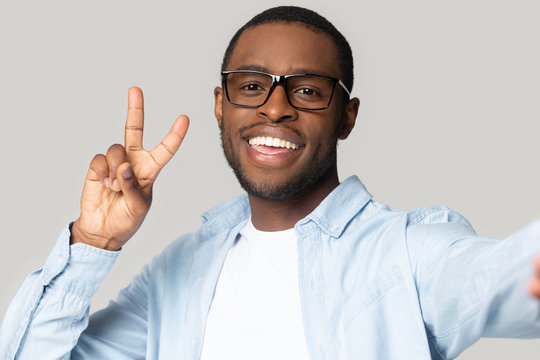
(275, 215)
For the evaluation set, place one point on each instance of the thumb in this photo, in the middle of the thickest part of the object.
(138, 203)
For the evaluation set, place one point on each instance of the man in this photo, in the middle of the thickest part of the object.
(301, 267)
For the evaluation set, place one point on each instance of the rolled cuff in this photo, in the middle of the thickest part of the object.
(77, 268)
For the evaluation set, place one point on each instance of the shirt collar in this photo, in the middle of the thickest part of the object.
(225, 216)
(340, 206)
(332, 215)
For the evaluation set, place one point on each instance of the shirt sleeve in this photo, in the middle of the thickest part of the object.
(120, 330)
(472, 286)
(50, 310)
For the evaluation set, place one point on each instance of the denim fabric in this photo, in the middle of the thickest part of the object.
(375, 283)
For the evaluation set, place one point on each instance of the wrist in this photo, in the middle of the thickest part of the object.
(78, 235)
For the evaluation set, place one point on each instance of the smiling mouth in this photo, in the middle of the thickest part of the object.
(273, 142)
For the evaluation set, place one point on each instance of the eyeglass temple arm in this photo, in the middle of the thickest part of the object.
(344, 87)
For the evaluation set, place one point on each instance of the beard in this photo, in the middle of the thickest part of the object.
(296, 184)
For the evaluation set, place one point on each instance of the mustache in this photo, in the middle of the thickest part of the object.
(245, 128)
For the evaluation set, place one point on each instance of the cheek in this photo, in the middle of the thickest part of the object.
(234, 118)
(325, 136)
(227, 135)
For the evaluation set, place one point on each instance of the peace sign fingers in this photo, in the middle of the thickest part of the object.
(166, 149)
(118, 189)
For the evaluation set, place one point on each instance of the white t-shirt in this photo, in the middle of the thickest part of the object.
(255, 313)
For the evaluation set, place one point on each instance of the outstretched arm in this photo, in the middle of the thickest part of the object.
(474, 286)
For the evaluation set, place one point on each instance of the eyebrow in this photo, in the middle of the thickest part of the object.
(255, 67)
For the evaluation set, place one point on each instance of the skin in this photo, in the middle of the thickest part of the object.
(117, 192)
(534, 283)
(282, 49)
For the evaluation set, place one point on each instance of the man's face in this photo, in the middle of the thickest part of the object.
(276, 171)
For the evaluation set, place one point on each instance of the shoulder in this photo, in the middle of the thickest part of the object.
(435, 215)
(435, 233)
(436, 223)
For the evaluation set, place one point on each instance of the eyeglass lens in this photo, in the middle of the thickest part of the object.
(304, 91)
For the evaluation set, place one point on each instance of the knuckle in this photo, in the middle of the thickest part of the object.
(98, 163)
(116, 155)
(134, 148)
(115, 148)
(98, 158)
(167, 148)
(134, 128)
(156, 161)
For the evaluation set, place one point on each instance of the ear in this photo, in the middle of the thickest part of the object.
(349, 118)
(218, 104)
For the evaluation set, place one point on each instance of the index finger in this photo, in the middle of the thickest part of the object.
(133, 136)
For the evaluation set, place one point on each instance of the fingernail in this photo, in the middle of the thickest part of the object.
(115, 185)
(127, 172)
(106, 182)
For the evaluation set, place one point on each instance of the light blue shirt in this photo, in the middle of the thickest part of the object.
(375, 283)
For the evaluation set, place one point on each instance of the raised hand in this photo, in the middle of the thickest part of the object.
(117, 190)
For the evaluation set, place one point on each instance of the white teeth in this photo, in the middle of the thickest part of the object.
(270, 141)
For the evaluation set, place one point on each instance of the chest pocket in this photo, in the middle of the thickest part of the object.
(371, 294)
(379, 321)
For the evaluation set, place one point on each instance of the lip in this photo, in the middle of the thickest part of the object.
(272, 156)
(276, 157)
(274, 132)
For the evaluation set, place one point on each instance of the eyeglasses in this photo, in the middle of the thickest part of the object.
(304, 91)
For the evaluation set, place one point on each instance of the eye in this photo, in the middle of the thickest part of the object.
(252, 87)
(306, 92)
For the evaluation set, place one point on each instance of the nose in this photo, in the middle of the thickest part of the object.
(277, 107)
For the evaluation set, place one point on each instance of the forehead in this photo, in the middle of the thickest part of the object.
(285, 48)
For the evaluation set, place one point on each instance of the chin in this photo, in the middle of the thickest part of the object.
(272, 191)
(295, 186)
(302, 181)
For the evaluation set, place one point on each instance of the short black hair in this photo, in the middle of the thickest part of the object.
(289, 14)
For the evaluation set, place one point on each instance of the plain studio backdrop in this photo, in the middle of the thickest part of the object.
(449, 115)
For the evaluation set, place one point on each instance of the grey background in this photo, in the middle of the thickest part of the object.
(449, 115)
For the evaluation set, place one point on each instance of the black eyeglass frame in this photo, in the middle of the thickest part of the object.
(282, 80)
